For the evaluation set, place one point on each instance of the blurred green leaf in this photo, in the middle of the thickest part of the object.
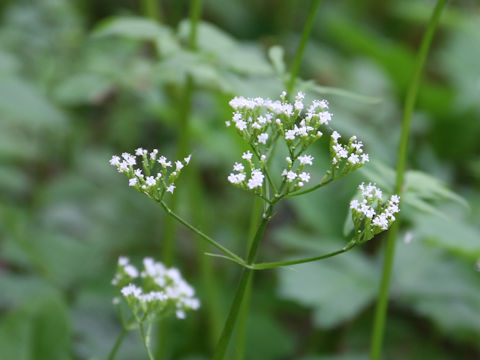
(19, 101)
(336, 289)
(82, 89)
(226, 51)
(275, 54)
(37, 331)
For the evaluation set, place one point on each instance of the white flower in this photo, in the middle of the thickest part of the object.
(115, 160)
(365, 158)
(131, 271)
(247, 155)
(325, 117)
(138, 173)
(336, 136)
(150, 181)
(153, 154)
(291, 175)
(354, 204)
(187, 159)
(170, 188)
(290, 135)
(162, 160)
(306, 160)
(262, 138)
(353, 159)
(381, 220)
(140, 152)
(236, 178)
(178, 165)
(241, 125)
(256, 179)
(129, 159)
(123, 260)
(132, 182)
(304, 176)
(238, 167)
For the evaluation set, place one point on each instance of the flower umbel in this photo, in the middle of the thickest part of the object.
(155, 176)
(371, 215)
(261, 122)
(162, 291)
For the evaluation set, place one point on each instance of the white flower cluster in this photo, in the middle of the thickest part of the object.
(351, 156)
(146, 179)
(239, 175)
(297, 178)
(162, 290)
(258, 119)
(261, 121)
(371, 215)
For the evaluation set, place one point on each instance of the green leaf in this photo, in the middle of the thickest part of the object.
(275, 54)
(226, 51)
(325, 90)
(82, 89)
(19, 101)
(37, 331)
(439, 287)
(336, 289)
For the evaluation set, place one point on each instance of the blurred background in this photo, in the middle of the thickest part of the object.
(83, 80)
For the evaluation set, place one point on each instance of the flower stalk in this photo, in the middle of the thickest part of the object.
(410, 100)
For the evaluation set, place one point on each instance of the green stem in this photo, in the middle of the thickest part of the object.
(325, 181)
(212, 242)
(272, 265)
(382, 302)
(117, 344)
(146, 340)
(195, 13)
(307, 29)
(242, 287)
(244, 309)
(151, 10)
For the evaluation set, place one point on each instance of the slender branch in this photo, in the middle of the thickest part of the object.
(325, 180)
(382, 303)
(151, 10)
(301, 46)
(242, 287)
(146, 340)
(272, 265)
(117, 344)
(195, 13)
(212, 242)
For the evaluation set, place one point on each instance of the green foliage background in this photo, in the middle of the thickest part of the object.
(83, 80)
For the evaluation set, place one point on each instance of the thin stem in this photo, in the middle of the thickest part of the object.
(301, 46)
(212, 242)
(244, 309)
(195, 13)
(382, 302)
(117, 344)
(325, 181)
(272, 265)
(242, 287)
(146, 339)
(151, 9)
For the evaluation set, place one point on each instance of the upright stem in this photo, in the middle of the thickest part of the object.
(245, 279)
(117, 344)
(307, 29)
(146, 340)
(151, 9)
(185, 106)
(244, 309)
(382, 303)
